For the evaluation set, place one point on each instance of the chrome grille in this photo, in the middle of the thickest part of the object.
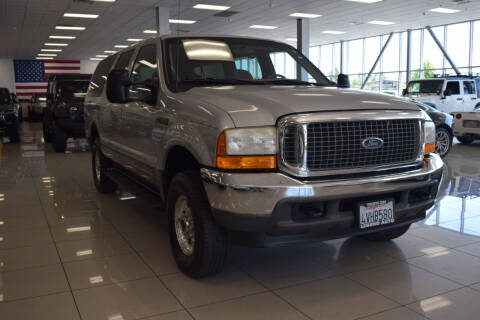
(338, 145)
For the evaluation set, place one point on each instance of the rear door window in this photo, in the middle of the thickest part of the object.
(99, 78)
(144, 77)
(454, 87)
(469, 87)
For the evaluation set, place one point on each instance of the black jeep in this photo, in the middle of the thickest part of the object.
(63, 116)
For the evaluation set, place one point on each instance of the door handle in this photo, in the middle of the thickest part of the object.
(459, 99)
(474, 98)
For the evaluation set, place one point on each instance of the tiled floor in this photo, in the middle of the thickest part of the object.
(68, 252)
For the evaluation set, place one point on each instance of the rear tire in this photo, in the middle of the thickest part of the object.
(387, 235)
(14, 132)
(199, 246)
(100, 164)
(465, 139)
(59, 139)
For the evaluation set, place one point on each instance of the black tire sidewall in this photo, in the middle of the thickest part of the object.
(59, 139)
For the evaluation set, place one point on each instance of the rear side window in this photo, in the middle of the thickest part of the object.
(123, 60)
(144, 76)
(469, 87)
(454, 87)
(99, 78)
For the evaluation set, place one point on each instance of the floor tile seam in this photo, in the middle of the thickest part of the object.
(96, 258)
(36, 296)
(449, 247)
(5, 271)
(275, 293)
(58, 255)
(113, 283)
(434, 273)
(391, 309)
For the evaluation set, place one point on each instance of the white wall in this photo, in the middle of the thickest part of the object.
(7, 75)
(88, 66)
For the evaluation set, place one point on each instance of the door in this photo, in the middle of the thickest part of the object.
(453, 102)
(141, 114)
(469, 95)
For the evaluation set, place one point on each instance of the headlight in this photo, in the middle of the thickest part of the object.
(429, 136)
(247, 148)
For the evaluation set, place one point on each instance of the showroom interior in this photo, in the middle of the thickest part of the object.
(239, 159)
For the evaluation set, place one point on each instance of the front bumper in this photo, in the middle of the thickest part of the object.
(274, 204)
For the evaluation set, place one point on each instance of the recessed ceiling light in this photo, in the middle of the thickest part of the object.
(44, 58)
(210, 7)
(150, 31)
(365, 1)
(182, 21)
(69, 28)
(51, 50)
(62, 37)
(97, 59)
(444, 10)
(101, 56)
(305, 15)
(259, 26)
(381, 23)
(134, 40)
(120, 46)
(47, 54)
(110, 51)
(80, 15)
(333, 32)
(56, 44)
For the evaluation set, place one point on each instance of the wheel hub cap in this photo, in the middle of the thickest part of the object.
(442, 143)
(184, 226)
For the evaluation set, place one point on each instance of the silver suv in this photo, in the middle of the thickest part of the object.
(246, 140)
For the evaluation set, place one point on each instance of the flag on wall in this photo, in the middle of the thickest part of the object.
(31, 76)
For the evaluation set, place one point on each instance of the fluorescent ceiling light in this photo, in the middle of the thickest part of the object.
(381, 23)
(101, 56)
(150, 31)
(51, 50)
(444, 10)
(97, 59)
(182, 21)
(69, 28)
(62, 37)
(365, 1)
(134, 40)
(47, 54)
(110, 51)
(56, 44)
(120, 46)
(305, 15)
(333, 32)
(259, 26)
(210, 7)
(42, 58)
(80, 15)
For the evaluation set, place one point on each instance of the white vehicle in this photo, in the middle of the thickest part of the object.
(448, 94)
(466, 126)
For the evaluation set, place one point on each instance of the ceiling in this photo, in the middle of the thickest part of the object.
(26, 24)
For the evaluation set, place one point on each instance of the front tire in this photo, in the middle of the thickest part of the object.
(387, 235)
(100, 164)
(14, 132)
(443, 142)
(465, 139)
(199, 246)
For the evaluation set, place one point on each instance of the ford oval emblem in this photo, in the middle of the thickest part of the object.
(372, 143)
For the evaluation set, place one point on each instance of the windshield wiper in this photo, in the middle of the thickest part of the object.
(291, 82)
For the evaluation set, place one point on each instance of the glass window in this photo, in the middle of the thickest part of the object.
(144, 77)
(476, 46)
(336, 56)
(355, 56)
(72, 89)
(314, 55)
(454, 87)
(100, 77)
(432, 56)
(326, 52)
(415, 54)
(391, 55)
(458, 40)
(425, 86)
(372, 50)
(123, 60)
(469, 87)
(251, 66)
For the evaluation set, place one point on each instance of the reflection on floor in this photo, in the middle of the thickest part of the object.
(67, 252)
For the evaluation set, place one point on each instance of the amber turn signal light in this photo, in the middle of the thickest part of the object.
(224, 161)
(429, 148)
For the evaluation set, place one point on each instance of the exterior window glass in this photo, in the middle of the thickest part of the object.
(476, 47)
(432, 55)
(355, 56)
(144, 75)
(458, 40)
(100, 77)
(468, 87)
(415, 54)
(326, 59)
(372, 49)
(336, 66)
(392, 54)
(454, 87)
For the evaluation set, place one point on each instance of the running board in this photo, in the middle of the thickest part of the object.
(135, 187)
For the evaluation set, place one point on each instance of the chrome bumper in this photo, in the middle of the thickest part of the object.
(258, 193)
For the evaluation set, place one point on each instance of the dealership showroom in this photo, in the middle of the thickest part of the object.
(239, 159)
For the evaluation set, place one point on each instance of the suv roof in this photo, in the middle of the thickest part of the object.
(69, 76)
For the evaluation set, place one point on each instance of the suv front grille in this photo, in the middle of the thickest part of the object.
(339, 145)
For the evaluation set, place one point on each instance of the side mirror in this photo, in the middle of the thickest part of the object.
(447, 93)
(343, 81)
(117, 86)
(404, 92)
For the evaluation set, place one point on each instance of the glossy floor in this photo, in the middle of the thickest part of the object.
(67, 252)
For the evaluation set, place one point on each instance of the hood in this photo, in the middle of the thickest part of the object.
(263, 105)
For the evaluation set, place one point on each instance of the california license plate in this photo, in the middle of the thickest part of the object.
(376, 213)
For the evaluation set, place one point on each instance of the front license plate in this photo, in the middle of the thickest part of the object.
(377, 213)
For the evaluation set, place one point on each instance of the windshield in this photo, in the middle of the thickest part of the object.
(425, 86)
(4, 96)
(72, 89)
(226, 61)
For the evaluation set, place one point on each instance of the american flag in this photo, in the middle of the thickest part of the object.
(31, 75)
